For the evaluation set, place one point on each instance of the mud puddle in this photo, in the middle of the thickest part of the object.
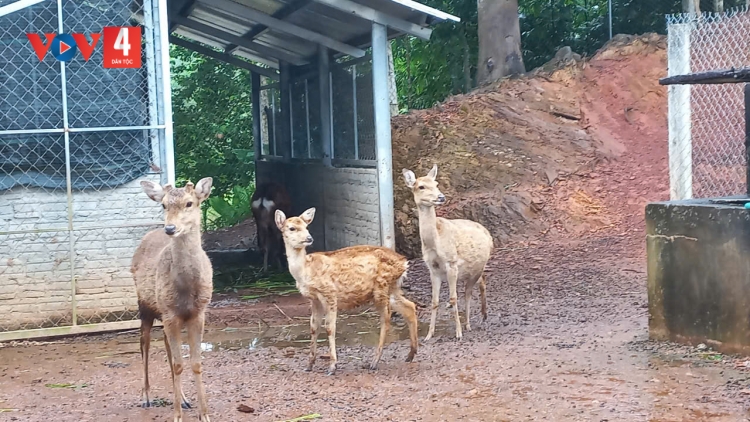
(351, 330)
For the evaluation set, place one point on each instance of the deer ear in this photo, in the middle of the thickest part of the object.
(308, 216)
(409, 177)
(433, 173)
(203, 188)
(280, 218)
(153, 190)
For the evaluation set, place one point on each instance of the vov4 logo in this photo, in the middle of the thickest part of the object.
(122, 46)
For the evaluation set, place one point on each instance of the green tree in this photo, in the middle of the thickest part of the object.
(213, 131)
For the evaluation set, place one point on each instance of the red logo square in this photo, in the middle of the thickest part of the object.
(122, 47)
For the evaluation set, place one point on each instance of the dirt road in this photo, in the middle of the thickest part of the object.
(566, 341)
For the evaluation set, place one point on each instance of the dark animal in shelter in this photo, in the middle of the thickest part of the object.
(269, 197)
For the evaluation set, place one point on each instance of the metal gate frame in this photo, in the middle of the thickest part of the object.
(159, 129)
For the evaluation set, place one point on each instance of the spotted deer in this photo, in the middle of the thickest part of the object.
(268, 198)
(346, 279)
(453, 250)
(174, 282)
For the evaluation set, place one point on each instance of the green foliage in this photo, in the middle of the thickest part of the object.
(228, 209)
(212, 108)
(428, 72)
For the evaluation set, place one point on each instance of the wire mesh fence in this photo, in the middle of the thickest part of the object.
(75, 140)
(706, 122)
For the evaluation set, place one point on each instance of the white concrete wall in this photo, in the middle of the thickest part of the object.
(35, 268)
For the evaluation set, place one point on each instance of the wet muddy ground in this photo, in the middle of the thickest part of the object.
(566, 340)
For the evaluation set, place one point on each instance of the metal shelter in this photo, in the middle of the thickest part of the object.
(326, 103)
(77, 138)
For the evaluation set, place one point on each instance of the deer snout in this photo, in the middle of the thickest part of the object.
(309, 240)
(441, 198)
(170, 229)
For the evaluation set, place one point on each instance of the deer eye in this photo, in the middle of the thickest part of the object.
(421, 187)
(292, 229)
(188, 205)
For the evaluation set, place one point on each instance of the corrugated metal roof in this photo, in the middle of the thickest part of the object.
(291, 30)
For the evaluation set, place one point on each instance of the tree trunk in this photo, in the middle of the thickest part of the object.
(718, 6)
(467, 61)
(691, 6)
(499, 40)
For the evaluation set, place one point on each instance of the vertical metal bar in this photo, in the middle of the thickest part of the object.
(382, 110)
(332, 146)
(291, 123)
(326, 112)
(307, 120)
(747, 137)
(257, 142)
(166, 90)
(609, 4)
(68, 176)
(286, 108)
(153, 115)
(354, 106)
(273, 120)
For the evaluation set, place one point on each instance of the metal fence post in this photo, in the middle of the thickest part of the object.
(679, 118)
(68, 178)
(383, 133)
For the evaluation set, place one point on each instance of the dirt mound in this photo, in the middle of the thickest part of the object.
(542, 155)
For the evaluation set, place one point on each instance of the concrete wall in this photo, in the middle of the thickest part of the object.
(35, 267)
(699, 273)
(346, 201)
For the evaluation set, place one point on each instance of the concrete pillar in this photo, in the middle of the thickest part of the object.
(679, 114)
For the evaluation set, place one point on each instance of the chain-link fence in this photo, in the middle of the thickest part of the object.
(75, 140)
(706, 122)
(352, 121)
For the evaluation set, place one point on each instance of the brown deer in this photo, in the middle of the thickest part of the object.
(174, 282)
(268, 198)
(346, 279)
(453, 250)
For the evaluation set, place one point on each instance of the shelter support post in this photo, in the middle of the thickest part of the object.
(382, 109)
(257, 141)
(324, 83)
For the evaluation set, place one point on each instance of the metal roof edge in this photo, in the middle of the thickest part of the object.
(428, 10)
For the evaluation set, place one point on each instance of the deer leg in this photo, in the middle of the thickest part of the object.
(385, 322)
(483, 296)
(470, 282)
(452, 281)
(185, 402)
(195, 336)
(408, 310)
(316, 320)
(146, 325)
(436, 279)
(331, 326)
(172, 332)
